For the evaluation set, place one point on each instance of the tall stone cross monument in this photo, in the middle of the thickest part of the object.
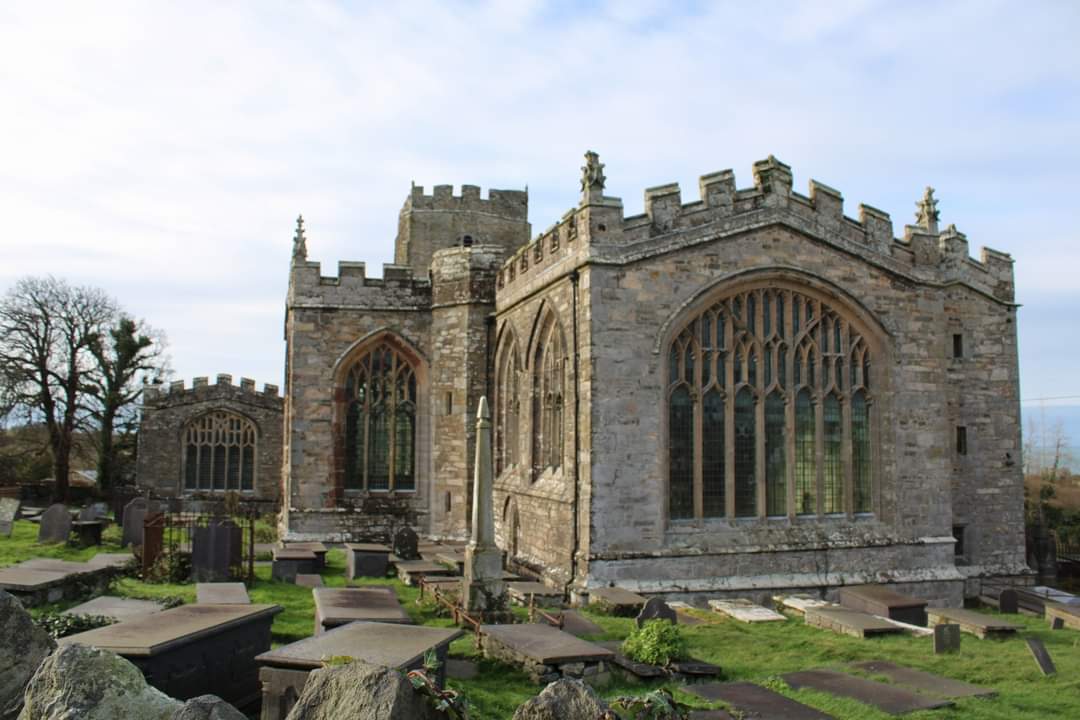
(485, 595)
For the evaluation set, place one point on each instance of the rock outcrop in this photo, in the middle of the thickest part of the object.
(360, 690)
(207, 707)
(564, 699)
(23, 645)
(84, 683)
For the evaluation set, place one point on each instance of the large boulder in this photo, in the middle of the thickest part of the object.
(83, 683)
(23, 645)
(361, 690)
(207, 707)
(564, 699)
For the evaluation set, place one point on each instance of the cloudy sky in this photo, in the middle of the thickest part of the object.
(162, 150)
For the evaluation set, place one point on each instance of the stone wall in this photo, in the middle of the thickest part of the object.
(166, 410)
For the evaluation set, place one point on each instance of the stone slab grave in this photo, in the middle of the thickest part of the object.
(578, 625)
(1033, 600)
(641, 671)
(685, 613)
(44, 580)
(887, 698)
(284, 671)
(410, 571)
(687, 671)
(222, 593)
(799, 604)
(318, 548)
(193, 650)
(1041, 655)
(974, 623)
(114, 560)
(617, 601)
(452, 559)
(55, 525)
(946, 638)
(289, 563)
(885, 602)
(310, 581)
(545, 652)
(371, 603)
(709, 715)
(117, 608)
(924, 682)
(542, 595)
(9, 511)
(745, 611)
(366, 560)
(215, 550)
(849, 622)
(443, 584)
(1068, 615)
(756, 702)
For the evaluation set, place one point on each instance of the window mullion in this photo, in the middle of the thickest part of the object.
(729, 418)
(698, 437)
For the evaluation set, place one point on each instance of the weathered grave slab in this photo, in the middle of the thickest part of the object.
(656, 609)
(578, 625)
(410, 571)
(9, 511)
(745, 611)
(452, 559)
(117, 608)
(887, 698)
(44, 580)
(946, 638)
(222, 593)
(546, 653)
(617, 601)
(709, 715)
(371, 603)
(756, 702)
(444, 584)
(284, 671)
(542, 595)
(1042, 656)
(289, 563)
(113, 560)
(799, 604)
(849, 622)
(643, 671)
(311, 581)
(318, 548)
(366, 560)
(924, 682)
(193, 650)
(884, 601)
(1068, 615)
(55, 525)
(975, 623)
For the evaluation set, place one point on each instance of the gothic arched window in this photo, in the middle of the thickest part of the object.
(769, 409)
(549, 381)
(508, 407)
(380, 422)
(219, 452)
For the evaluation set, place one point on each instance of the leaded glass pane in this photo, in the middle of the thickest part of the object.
(834, 466)
(378, 474)
(219, 467)
(191, 469)
(805, 456)
(713, 461)
(247, 474)
(775, 456)
(681, 458)
(860, 451)
(745, 455)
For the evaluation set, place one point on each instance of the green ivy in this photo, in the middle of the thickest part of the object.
(658, 642)
(59, 626)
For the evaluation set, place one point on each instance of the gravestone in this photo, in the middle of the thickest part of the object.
(55, 525)
(134, 517)
(924, 682)
(946, 638)
(288, 564)
(215, 548)
(1057, 623)
(97, 511)
(756, 701)
(1009, 601)
(405, 542)
(887, 698)
(1041, 655)
(222, 593)
(656, 609)
(9, 510)
(117, 608)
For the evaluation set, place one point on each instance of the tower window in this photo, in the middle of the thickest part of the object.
(961, 440)
(957, 346)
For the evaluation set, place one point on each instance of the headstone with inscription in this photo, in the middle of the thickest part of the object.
(134, 516)
(946, 638)
(405, 542)
(55, 524)
(9, 510)
(1008, 601)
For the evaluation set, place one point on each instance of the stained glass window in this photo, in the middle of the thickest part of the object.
(219, 452)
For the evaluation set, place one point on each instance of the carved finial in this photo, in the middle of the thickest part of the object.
(927, 214)
(592, 177)
(299, 247)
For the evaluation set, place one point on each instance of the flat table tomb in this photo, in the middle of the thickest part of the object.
(885, 602)
(284, 671)
(799, 604)
(222, 593)
(849, 622)
(288, 563)
(971, 622)
(318, 548)
(44, 580)
(542, 595)
(366, 560)
(923, 682)
(617, 601)
(1068, 614)
(410, 571)
(887, 698)
(370, 603)
(452, 559)
(757, 702)
(546, 653)
(193, 650)
(745, 611)
(118, 609)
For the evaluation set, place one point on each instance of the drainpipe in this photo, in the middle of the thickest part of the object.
(574, 277)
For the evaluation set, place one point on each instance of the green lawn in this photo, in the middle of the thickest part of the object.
(757, 653)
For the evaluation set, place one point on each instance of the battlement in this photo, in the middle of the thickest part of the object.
(504, 203)
(201, 389)
(667, 222)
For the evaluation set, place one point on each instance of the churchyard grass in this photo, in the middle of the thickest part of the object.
(759, 653)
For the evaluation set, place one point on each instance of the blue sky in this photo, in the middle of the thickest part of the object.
(163, 150)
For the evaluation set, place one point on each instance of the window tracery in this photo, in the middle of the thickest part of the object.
(549, 382)
(219, 452)
(508, 407)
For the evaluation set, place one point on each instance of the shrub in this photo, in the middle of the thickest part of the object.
(659, 642)
(59, 626)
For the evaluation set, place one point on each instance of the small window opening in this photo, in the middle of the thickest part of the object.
(466, 241)
(961, 440)
(958, 535)
(449, 403)
(957, 346)
(449, 500)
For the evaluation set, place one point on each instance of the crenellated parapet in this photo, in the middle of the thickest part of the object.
(502, 203)
(598, 231)
(465, 275)
(161, 396)
(399, 286)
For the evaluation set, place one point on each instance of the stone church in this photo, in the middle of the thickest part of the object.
(743, 394)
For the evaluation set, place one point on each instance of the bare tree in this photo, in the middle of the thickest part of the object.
(48, 329)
